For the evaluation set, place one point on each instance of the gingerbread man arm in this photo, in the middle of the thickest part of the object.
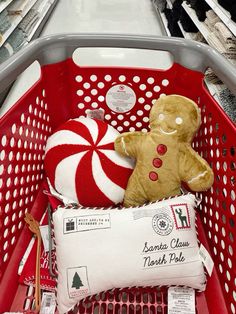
(126, 144)
(194, 170)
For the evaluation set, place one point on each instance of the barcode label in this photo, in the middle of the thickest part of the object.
(48, 305)
(48, 301)
(181, 300)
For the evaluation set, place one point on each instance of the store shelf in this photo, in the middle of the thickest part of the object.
(200, 25)
(214, 90)
(165, 23)
(169, 3)
(186, 34)
(170, 6)
(223, 15)
(42, 19)
(164, 20)
(15, 20)
(4, 4)
(26, 8)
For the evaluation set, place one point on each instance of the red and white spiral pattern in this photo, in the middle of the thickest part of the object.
(82, 165)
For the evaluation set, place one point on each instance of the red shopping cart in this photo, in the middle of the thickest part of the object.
(66, 90)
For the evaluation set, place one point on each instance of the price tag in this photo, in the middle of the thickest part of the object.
(45, 238)
(181, 300)
(96, 114)
(48, 305)
(206, 259)
(120, 98)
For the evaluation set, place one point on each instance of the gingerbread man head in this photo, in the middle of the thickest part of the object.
(175, 115)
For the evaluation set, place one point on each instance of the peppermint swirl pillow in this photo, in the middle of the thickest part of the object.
(82, 165)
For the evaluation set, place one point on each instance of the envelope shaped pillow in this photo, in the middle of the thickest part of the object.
(153, 245)
(83, 166)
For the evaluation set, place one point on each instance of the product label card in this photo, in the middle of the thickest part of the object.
(120, 98)
(86, 223)
(77, 282)
(181, 300)
(45, 238)
(206, 259)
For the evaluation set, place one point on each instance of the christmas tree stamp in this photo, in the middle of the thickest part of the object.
(77, 282)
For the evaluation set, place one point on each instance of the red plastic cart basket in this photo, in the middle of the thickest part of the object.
(54, 98)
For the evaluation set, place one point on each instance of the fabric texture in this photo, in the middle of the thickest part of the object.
(16, 39)
(198, 37)
(212, 17)
(17, 7)
(164, 156)
(4, 22)
(98, 250)
(215, 42)
(29, 21)
(225, 36)
(211, 77)
(82, 165)
(228, 102)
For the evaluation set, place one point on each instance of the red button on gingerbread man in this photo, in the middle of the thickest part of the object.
(157, 162)
(161, 149)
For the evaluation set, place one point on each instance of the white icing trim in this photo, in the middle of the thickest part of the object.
(168, 133)
(124, 146)
(197, 177)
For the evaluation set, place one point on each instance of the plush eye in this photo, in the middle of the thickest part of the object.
(178, 120)
(161, 117)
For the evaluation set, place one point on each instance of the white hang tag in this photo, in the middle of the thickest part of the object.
(181, 300)
(45, 238)
(66, 201)
(48, 304)
(26, 255)
(206, 259)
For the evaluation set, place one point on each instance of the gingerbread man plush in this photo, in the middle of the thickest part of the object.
(164, 156)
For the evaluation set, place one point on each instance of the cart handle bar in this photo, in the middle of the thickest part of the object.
(55, 48)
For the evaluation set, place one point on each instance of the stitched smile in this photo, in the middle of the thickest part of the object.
(164, 132)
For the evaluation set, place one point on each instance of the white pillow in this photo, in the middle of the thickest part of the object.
(151, 245)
